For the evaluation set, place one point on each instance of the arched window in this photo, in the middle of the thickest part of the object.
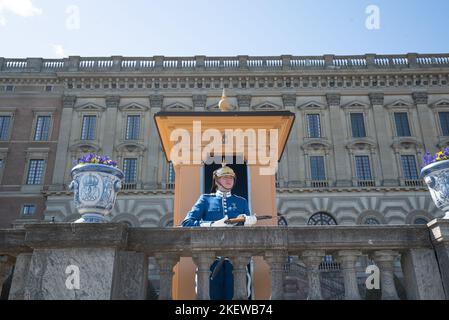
(371, 221)
(420, 221)
(321, 218)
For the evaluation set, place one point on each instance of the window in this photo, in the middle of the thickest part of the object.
(9, 88)
(42, 128)
(28, 209)
(314, 125)
(371, 221)
(171, 176)
(130, 170)
(402, 126)
(420, 221)
(4, 127)
(358, 125)
(133, 128)
(88, 129)
(444, 121)
(35, 171)
(362, 167)
(317, 170)
(321, 218)
(409, 167)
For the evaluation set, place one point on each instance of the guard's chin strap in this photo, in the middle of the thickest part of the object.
(227, 190)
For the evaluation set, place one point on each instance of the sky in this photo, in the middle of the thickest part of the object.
(56, 29)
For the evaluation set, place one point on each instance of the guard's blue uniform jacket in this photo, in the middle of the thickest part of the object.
(214, 206)
(210, 208)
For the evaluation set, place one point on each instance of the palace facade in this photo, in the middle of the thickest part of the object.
(354, 154)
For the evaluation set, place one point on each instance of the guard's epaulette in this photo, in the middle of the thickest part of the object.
(239, 197)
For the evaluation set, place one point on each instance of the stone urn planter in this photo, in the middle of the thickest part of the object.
(95, 188)
(436, 176)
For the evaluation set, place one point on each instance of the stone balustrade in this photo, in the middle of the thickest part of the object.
(113, 258)
(203, 63)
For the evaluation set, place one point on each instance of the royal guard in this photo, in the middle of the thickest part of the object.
(221, 209)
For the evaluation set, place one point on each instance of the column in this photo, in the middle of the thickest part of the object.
(386, 174)
(203, 261)
(131, 280)
(239, 264)
(339, 136)
(166, 264)
(6, 265)
(439, 230)
(68, 102)
(348, 259)
(426, 122)
(421, 275)
(312, 260)
(276, 260)
(154, 150)
(21, 269)
(385, 261)
(292, 149)
(109, 131)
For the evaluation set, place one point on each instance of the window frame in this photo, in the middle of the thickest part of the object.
(35, 123)
(136, 173)
(22, 213)
(402, 166)
(324, 167)
(28, 167)
(88, 114)
(125, 126)
(396, 129)
(370, 165)
(351, 113)
(11, 124)
(320, 125)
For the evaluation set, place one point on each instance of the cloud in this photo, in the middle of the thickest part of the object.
(59, 50)
(22, 8)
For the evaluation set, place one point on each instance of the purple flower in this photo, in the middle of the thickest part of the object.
(94, 158)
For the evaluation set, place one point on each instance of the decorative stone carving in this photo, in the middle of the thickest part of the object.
(199, 101)
(244, 101)
(156, 101)
(420, 97)
(95, 188)
(68, 101)
(376, 98)
(333, 99)
(436, 176)
(289, 100)
(112, 101)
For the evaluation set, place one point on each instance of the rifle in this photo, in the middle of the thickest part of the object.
(242, 219)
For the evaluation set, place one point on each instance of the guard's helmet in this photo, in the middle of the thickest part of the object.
(221, 172)
(224, 171)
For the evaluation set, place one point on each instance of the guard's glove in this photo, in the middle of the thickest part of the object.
(218, 223)
(249, 220)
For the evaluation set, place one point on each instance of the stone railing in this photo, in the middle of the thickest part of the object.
(112, 259)
(203, 63)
